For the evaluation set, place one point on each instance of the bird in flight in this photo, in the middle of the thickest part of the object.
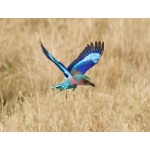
(75, 72)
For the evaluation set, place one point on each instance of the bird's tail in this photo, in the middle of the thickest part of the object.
(58, 86)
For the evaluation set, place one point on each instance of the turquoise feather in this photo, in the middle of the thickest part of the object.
(76, 70)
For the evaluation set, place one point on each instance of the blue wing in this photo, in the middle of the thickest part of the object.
(56, 62)
(87, 58)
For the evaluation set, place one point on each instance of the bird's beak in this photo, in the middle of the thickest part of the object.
(92, 84)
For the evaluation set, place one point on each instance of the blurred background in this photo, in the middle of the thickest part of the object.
(119, 102)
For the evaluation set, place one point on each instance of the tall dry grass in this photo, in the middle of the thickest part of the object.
(119, 102)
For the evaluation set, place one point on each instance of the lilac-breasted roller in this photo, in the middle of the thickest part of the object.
(76, 70)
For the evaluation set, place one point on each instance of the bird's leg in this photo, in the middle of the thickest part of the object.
(58, 92)
(74, 95)
(66, 94)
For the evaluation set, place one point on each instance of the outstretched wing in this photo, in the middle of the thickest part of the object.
(56, 62)
(87, 58)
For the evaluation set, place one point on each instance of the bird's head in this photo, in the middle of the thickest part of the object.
(80, 79)
(87, 81)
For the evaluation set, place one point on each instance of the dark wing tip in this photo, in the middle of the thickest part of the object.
(92, 44)
(98, 45)
(44, 49)
(102, 48)
(42, 46)
(39, 40)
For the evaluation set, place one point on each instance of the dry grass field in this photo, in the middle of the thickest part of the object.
(119, 102)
